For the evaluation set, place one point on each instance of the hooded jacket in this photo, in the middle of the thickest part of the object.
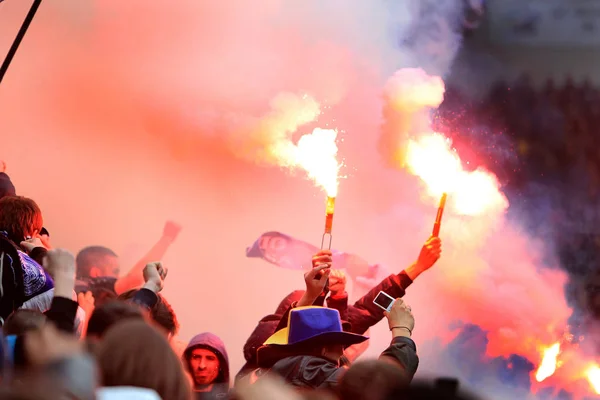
(23, 282)
(213, 343)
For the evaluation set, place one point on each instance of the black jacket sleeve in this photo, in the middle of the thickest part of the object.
(364, 313)
(403, 351)
(145, 298)
(63, 312)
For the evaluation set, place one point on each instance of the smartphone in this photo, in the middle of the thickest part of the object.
(384, 301)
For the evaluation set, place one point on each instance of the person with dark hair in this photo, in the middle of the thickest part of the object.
(136, 304)
(135, 354)
(427, 391)
(8, 189)
(21, 321)
(95, 261)
(98, 268)
(161, 313)
(109, 314)
(24, 282)
(370, 380)
(206, 359)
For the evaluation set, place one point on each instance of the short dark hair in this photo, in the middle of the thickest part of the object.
(109, 314)
(162, 313)
(19, 217)
(23, 321)
(371, 379)
(89, 257)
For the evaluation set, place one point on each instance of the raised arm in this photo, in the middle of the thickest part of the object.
(63, 311)
(402, 351)
(364, 314)
(135, 277)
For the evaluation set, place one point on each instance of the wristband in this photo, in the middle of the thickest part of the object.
(401, 327)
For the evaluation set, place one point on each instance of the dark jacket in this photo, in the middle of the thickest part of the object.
(309, 372)
(213, 343)
(361, 316)
(22, 279)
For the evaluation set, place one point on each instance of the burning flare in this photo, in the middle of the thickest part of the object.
(411, 93)
(593, 376)
(549, 363)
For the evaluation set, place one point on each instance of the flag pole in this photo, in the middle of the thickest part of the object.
(20, 35)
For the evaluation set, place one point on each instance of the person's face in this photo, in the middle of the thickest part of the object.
(333, 352)
(205, 366)
(108, 268)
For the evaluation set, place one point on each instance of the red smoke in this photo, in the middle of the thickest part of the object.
(117, 116)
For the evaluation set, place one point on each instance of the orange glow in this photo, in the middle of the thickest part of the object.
(549, 363)
(431, 158)
(329, 210)
(593, 376)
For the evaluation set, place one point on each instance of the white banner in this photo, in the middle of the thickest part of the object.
(545, 22)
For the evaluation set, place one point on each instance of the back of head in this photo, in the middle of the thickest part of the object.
(6, 186)
(133, 353)
(371, 380)
(105, 316)
(22, 321)
(427, 391)
(162, 313)
(20, 217)
(91, 256)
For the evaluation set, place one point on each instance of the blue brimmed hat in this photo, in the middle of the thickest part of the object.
(307, 326)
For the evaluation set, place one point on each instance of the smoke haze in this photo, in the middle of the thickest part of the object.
(117, 116)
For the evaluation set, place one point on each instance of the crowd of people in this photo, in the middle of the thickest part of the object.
(75, 328)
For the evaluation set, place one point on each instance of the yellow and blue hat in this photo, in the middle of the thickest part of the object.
(314, 326)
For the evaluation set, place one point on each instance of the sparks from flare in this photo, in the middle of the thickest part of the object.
(431, 158)
(549, 363)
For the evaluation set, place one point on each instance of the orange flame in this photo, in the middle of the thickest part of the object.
(432, 159)
(549, 363)
(593, 376)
